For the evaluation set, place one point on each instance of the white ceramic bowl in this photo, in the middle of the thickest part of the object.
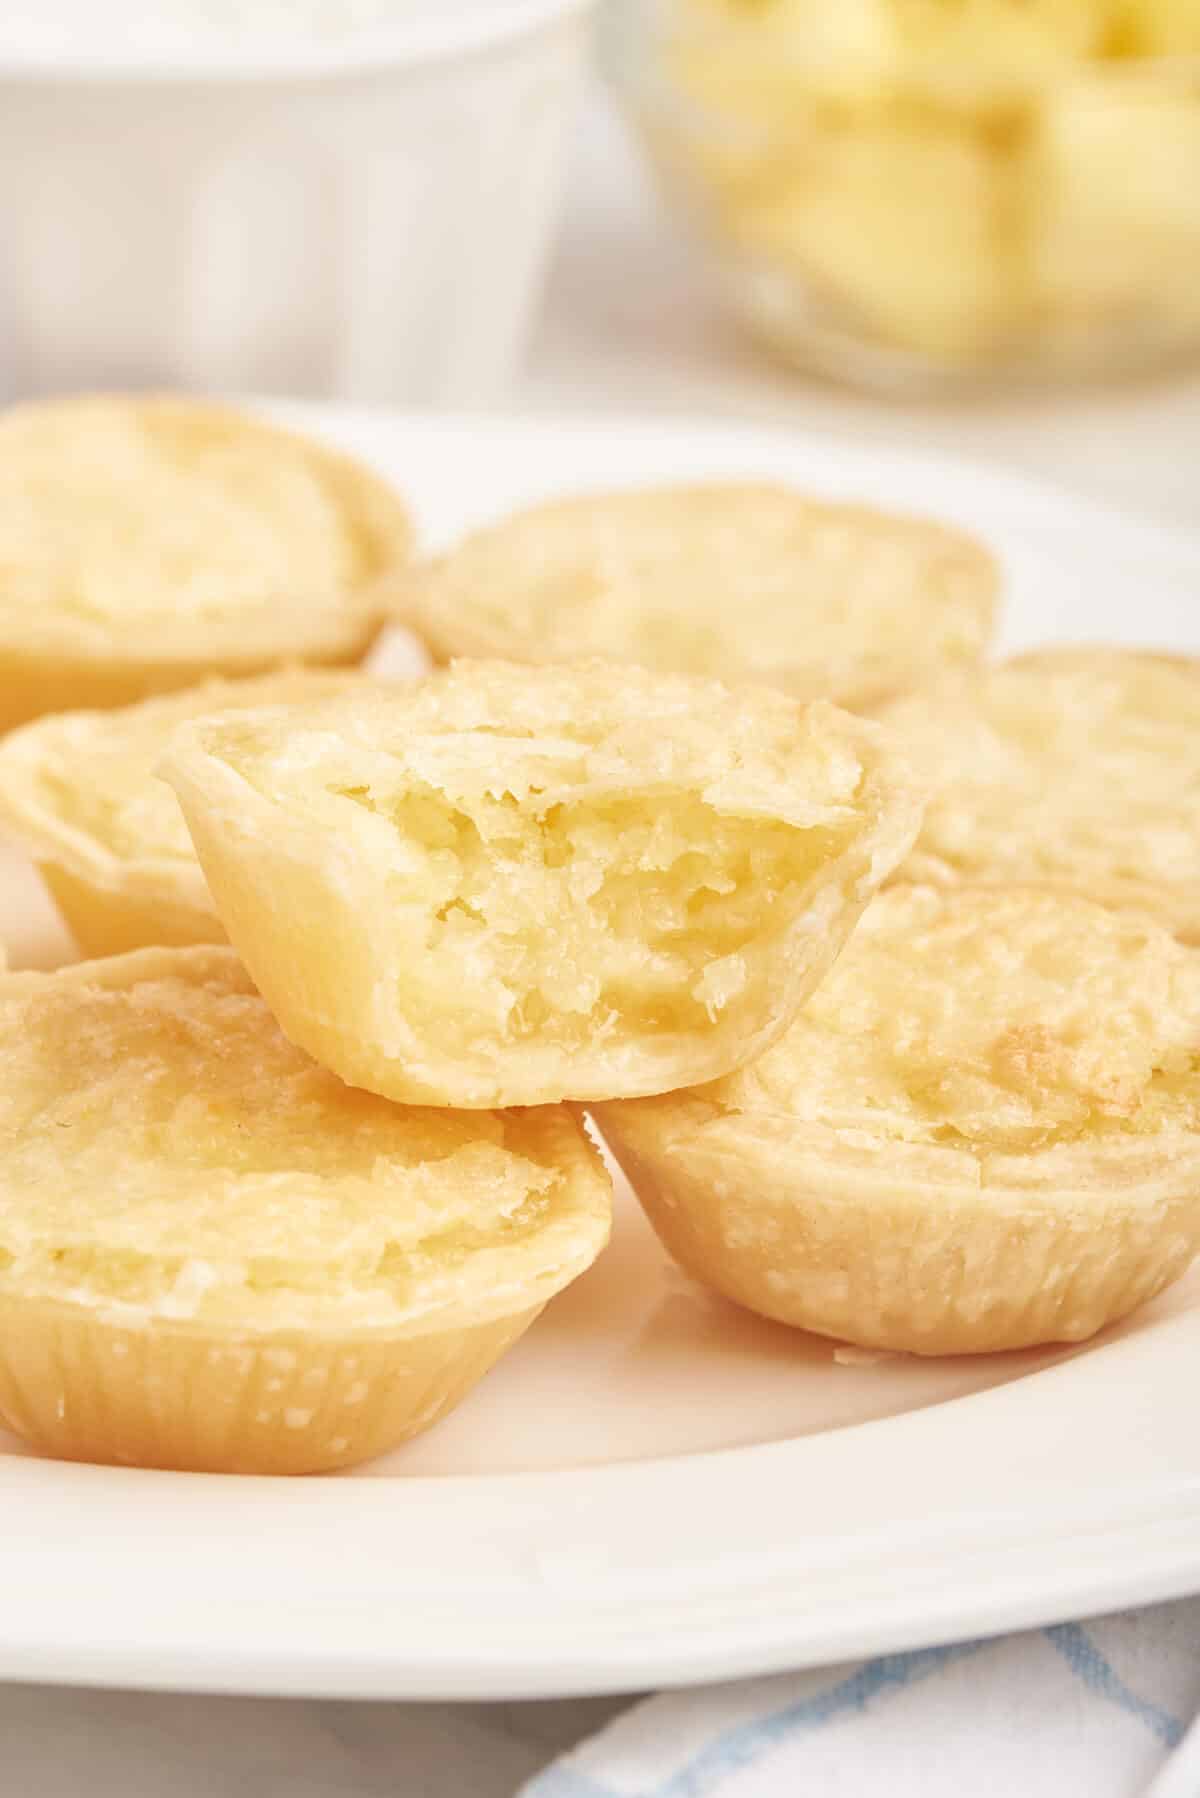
(367, 221)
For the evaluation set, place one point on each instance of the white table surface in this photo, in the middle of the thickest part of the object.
(626, 327)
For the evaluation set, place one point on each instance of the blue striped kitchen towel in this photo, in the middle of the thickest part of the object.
(1090, 1710)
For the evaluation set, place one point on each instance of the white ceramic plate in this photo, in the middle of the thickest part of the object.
(655, 1488)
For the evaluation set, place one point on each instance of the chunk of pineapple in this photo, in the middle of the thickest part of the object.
(1115, 199)
(902, 216)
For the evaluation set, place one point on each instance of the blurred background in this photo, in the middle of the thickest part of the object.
(972, 221)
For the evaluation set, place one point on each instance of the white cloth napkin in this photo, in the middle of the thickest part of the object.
(1090, 1710)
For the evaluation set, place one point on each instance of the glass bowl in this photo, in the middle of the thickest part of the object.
(934, 194)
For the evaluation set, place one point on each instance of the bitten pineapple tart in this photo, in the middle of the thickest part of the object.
(1074, 768)
(743, 582)
(507, 885)
(80, 792)
(214, 1255)
(982, 1132)
(147, 542)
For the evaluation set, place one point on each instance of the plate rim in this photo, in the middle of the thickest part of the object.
(694, 1609)
(1042, 495)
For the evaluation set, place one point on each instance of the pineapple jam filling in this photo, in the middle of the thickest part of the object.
(166, 1146)
(107, 506)
(586, 917)
(749, 581)
(992, 1022)
(1078, 765)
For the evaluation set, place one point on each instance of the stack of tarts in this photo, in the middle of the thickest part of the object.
(290, 1164)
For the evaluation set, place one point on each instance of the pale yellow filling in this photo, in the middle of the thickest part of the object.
(1069, 765)
(164, 1145)
(993, 1022)
(590, 917)
(113, 511)
(715, 580)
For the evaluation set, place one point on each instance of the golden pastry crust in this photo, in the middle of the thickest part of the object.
(982, 1132)
(507, 885)
(1072, 768)
(147, 542)
(755, 583)
(79, 792)
(213, 1254)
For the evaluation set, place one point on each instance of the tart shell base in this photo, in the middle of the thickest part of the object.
(80, 1386)
(105, 922)
(32, 685)
(965, 1273)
